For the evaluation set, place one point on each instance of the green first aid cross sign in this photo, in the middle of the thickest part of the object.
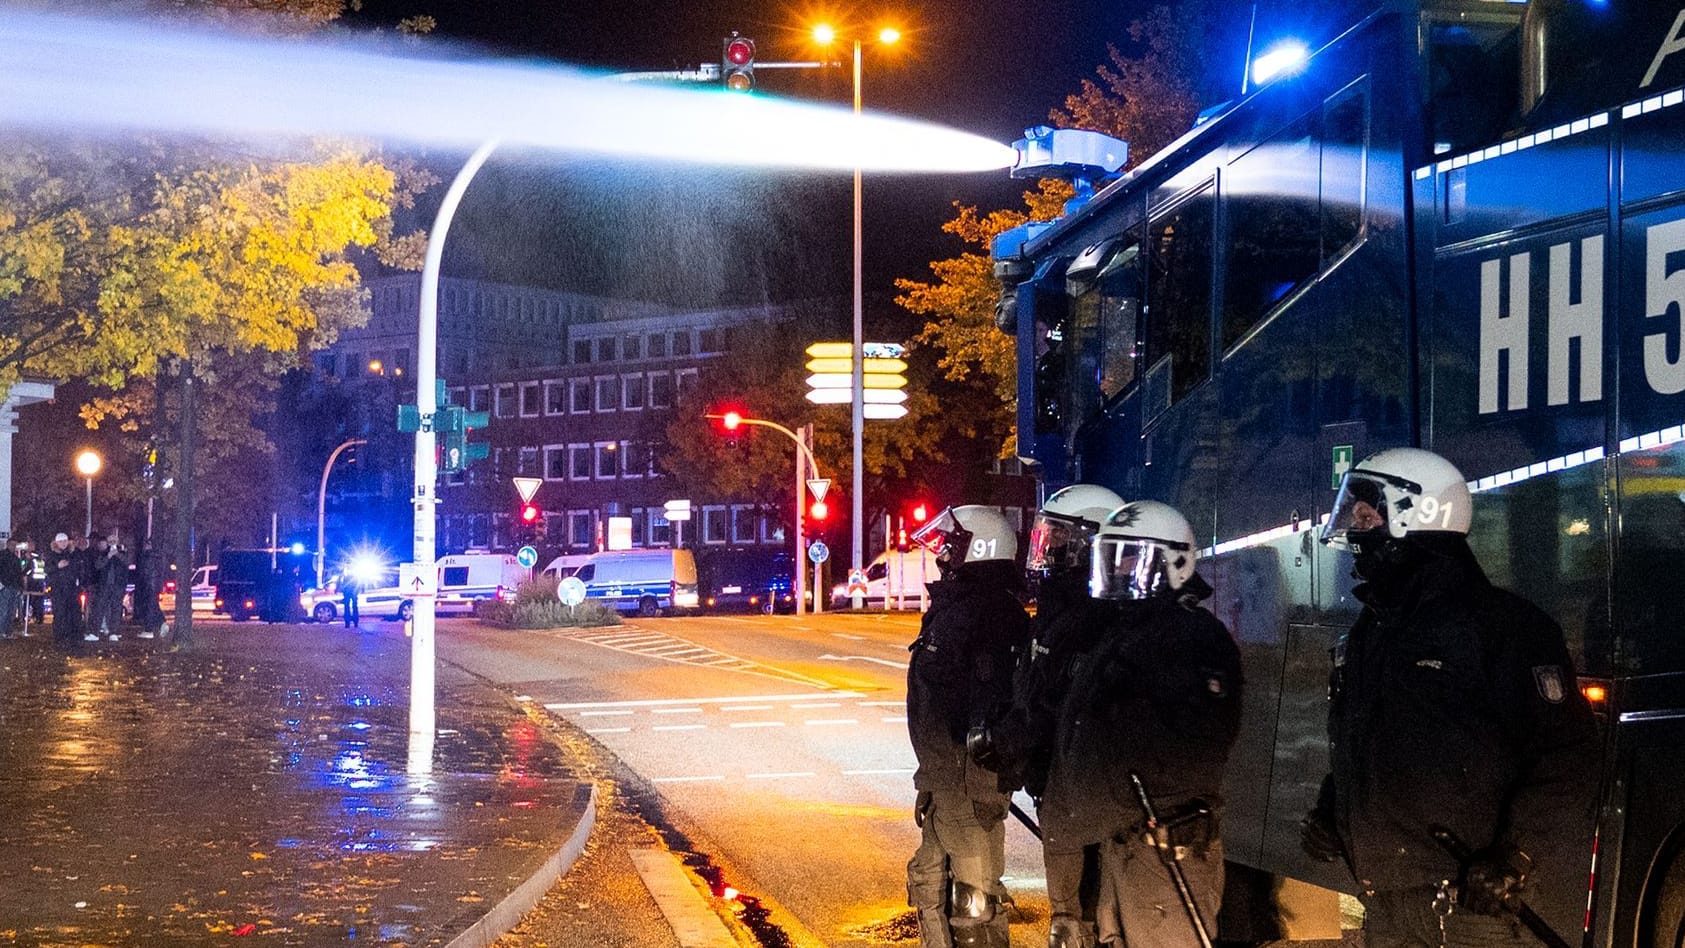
(1342, 463)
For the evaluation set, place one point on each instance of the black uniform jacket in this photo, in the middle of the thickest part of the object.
(1160, 696)
(961, 671)
(1453, 703)
(1067, 625)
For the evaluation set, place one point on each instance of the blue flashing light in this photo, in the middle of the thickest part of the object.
(366, 567)
(1285, 58)
(297, 548)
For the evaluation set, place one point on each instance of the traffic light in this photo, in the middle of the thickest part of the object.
(731, 420)
(455, 423)
(737, 63)
(530, 514)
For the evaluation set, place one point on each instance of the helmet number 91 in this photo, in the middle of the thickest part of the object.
(1432, 510)
(982, 549)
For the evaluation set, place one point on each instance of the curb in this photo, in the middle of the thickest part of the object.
(507, 913)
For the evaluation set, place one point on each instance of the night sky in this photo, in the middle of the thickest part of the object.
(703, 236)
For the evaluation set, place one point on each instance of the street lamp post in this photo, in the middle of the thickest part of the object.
(88, 463)
(803, 453)
(322, 508)
(824, 34)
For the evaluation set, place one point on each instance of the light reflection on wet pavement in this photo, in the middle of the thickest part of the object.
(256, 785)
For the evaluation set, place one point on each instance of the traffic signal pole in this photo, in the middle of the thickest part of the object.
(423, 671)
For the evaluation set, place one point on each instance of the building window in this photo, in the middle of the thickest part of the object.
(608, 392)
(657, 345)
(506, 401)
(744, 523)
(640, 527)
(660, 390)
(687, 381)
(555, 397)
(772, 528)
(527, 465)
(454, 479)
(681, 343)
(660, 528)
(499, 533)
(632, 347)
(716, 521)
(555, 462)
(708, 341)
(634, 459)
(632, 392)
(582, 352)
(608, 461)
(579, 462)
(478, 398)
(530, 392)
(479, 531)
(579, 528)
(605, 349)
(581, 396)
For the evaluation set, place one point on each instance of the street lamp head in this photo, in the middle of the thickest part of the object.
(824, 34)
(889, 35)
(88, 463)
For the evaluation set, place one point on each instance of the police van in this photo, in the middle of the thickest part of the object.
(464, 579)
(645, 582)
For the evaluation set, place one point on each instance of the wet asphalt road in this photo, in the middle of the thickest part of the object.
(255, 785)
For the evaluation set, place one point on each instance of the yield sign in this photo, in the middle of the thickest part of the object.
(818, 486)
(526, 487)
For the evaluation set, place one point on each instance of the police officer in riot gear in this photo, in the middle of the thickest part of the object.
(1158, 701)
(1068, 624)
(961, 674)
(1453, 706)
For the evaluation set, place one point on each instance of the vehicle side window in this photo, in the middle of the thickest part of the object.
(1274, 247)
(454, 576)
(586, 573)
(1098, 337)
(1180, 247)
(877, 571)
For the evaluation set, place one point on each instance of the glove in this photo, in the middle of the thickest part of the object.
(1320, 838)
(1494, 878)
(921, 807)
(980, 744)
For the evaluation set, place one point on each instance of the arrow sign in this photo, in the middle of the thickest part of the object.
(818, 486)
(526, 487)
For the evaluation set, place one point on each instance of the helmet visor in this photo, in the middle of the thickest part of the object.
(944, 537)
(1127, 568)
(1360, 507)
(1058, 543)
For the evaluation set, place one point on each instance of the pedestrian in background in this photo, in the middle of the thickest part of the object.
(1068, 625)
(1453, 708)
(111, 579)
(86, 560)
(960, 676)
(64, 586)
(348, 591)
(11, 586)
(1145, 733)
(148, 573)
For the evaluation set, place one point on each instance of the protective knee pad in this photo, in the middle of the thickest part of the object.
(966, 901)
(982, 936)
(1067, 932)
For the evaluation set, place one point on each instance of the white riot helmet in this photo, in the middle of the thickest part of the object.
(969, 534)
(1065, 527)
(1398, 492)
(1144, 549)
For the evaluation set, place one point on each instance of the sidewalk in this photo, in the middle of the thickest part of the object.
(256, 785)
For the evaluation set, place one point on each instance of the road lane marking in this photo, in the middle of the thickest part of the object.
(871, 773)
(679, 727)
(863, 658)
(810, 707)
(685, 779)
(747, 707)
(900, 720)
(663, 647)
(758, 724)
(605, 714)
(793, 773)
(826, 721)
(882, 704)
(608, 730)
(654, 702)
(665, 711)
(845, 635)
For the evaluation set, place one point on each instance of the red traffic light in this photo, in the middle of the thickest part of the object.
(920, 512)
(530, 513)
(740, 51)
(731, 420)
(819, 510)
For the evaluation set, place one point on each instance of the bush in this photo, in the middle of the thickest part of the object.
(536, 607)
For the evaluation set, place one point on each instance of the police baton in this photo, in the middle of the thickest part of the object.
(1172, 862)
(1024, 818)
(1459, 850)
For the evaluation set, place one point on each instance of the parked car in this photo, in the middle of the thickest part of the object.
(899, 576)
(464, 579)
(202, 589)
(746, 581)
(647, 582)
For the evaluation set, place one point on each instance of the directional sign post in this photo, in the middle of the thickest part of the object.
(818, 552)
(416, 584)
(677, 512)
(527, 557)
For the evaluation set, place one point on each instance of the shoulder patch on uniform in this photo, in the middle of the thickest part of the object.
(1549, 680)
(1214, 683)
(1432, 663)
